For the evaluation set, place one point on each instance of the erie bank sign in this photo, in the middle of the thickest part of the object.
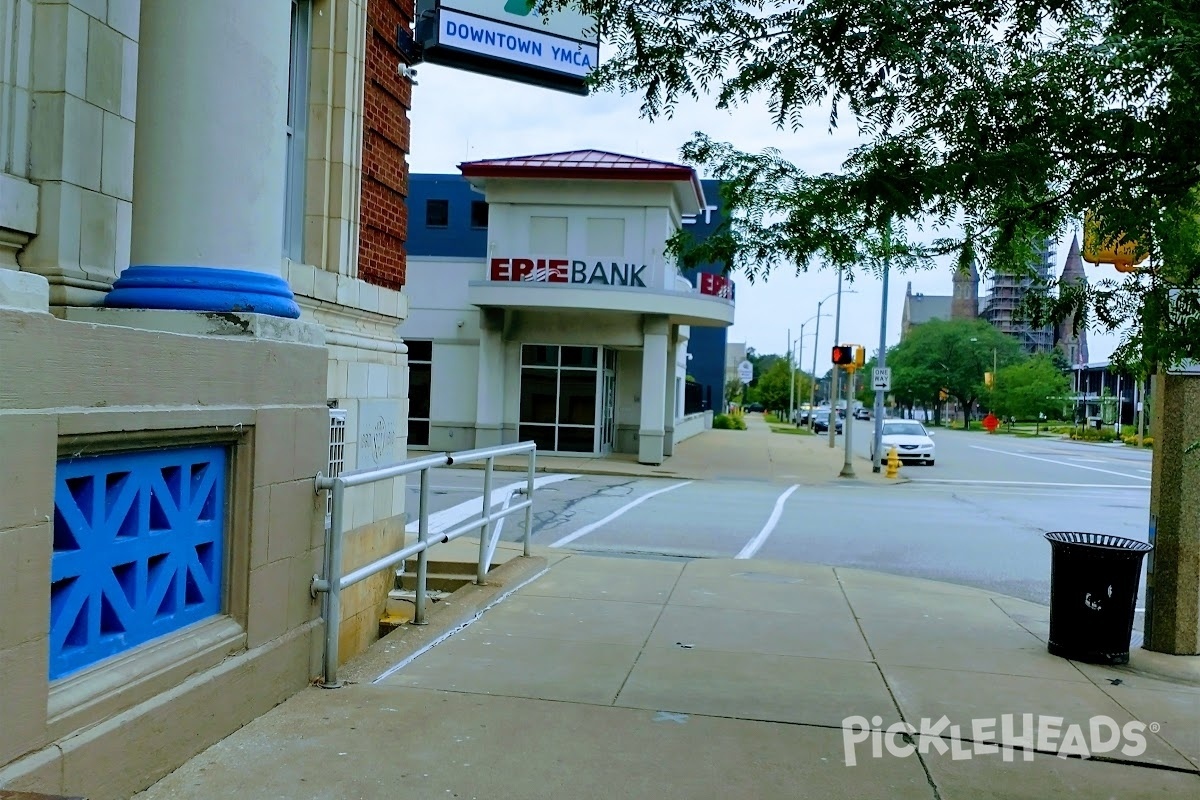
(563, 270)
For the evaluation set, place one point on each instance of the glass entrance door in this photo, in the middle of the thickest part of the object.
(608, 402)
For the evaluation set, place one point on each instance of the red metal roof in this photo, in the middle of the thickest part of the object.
(584, 165)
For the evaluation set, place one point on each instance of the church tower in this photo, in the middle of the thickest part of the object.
(965, 303)
(1071, 342)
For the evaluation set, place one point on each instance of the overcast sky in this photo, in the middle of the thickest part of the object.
(459, 116)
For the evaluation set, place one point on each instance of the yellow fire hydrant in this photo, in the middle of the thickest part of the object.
(893, 463)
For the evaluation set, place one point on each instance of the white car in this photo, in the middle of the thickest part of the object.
(911, 440)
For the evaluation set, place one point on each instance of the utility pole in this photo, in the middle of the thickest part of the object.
(833, 384)
(847, 467)
(812, 390)
(1140, 394)
(800, 361)
(877, 447)
(791, 378)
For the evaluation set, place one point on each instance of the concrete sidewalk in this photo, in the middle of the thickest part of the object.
(591, 677)
(756, 453)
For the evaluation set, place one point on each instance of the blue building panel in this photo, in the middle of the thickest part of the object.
(707, 345)
(458, 238)
(138, 550)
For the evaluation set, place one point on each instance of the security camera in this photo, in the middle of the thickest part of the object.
(405, 71)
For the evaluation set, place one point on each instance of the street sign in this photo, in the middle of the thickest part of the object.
(881, 378)
(745, 372)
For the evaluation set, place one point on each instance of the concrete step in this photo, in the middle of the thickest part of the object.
(401, 607)
(435, 581)
(444, 567)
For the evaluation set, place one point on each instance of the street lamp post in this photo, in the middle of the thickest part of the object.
(877, 444)
(791, 356)
(812, 395)
(833, 388)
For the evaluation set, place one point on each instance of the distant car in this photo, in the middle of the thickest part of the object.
(821, 421)
(862, 413)
(911, 440)
(755, 407)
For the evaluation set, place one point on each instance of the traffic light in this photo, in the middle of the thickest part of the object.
(860, 356)
(843, 354)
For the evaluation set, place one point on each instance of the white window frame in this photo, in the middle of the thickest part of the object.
(297, 130)
(559, 369)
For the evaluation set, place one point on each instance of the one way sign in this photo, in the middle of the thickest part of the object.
(881, 378)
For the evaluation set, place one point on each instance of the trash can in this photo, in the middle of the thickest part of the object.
(1094, 582)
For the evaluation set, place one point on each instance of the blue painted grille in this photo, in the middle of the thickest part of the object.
(138, 550)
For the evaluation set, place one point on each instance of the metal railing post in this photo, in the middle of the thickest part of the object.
(423, 556)
(333, 597)
(485, 528)
(529, 508)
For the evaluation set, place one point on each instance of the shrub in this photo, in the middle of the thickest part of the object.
(1093, 435)
(724, 422)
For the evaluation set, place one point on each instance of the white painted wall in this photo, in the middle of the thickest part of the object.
(629, 394)
(692, 425)
(453, 395)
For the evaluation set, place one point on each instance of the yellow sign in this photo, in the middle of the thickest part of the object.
(1125, 256)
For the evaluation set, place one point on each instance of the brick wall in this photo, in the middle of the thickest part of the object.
(386, 102)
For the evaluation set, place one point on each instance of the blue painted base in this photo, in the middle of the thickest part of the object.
(203, 289)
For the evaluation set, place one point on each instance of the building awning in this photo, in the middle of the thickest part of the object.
(682, 308)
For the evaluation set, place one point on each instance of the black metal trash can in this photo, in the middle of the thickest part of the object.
(1094, 582)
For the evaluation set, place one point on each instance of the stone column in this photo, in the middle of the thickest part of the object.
(654, 390)
(209, 159)
(489, 404)
(1173, 576)
(669, 400)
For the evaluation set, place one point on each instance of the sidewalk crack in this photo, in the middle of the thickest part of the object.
(649, 634)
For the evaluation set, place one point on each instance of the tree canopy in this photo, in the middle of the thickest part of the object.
(1035, 386)
(772, 386)
(952, 356)
(987, 126)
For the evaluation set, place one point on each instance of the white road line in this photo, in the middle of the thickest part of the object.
(441, 520)
(1031, 484)
(1060, 463)
(757, 542)
(586, 529)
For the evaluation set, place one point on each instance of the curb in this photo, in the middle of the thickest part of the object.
(540, 469)
(461, 607)
(1163, 666)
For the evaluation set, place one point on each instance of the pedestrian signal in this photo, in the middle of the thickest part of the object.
(843, 354)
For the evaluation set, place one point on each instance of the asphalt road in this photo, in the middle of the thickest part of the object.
(976, 518)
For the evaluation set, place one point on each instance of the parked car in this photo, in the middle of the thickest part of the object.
(909, 437)
(821, 421)
(862, 413)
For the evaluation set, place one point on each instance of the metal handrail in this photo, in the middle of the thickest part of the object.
(332, 584)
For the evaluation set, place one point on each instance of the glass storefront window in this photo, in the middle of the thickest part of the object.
(420, 386)
(559, 391)
(539, 355)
